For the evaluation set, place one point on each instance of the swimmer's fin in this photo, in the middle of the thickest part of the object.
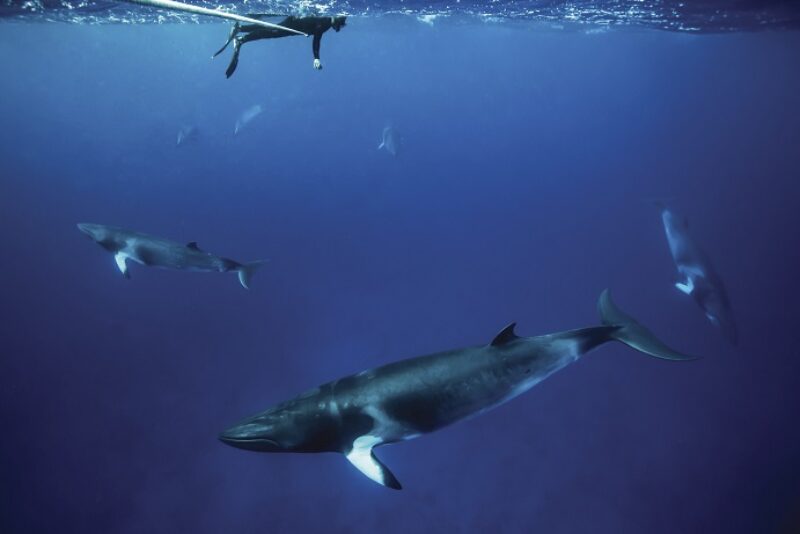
(234, 60)
(234, 31)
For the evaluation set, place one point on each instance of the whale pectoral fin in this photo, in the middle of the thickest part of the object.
(685, 285)
(121, 264)
(362, 457)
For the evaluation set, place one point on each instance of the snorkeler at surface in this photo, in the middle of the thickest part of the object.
(244, 33)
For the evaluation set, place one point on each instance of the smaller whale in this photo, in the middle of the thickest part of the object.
(390, 141)
(696, 275)
(247, 116)
(186, 134)
(158, 252)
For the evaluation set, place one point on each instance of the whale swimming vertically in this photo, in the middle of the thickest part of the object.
(696, 275)
(247, 116)
(158, 252)
(390, 141)
(408, 398)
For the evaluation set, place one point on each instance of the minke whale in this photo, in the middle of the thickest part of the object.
(696, 276)
(187, 133)
(247, 116)
(408, 398)
(158, 252)
(390, 141)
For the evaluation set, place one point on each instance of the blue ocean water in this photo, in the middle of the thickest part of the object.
(532, 151)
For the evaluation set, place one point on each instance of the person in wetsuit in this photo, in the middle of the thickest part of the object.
(244, 33)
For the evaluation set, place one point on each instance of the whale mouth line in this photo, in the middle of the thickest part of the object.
(247, 441)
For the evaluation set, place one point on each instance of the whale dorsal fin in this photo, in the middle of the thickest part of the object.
(362, 457)
(192, 245)
(506, 335)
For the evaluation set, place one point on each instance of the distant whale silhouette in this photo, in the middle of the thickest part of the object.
(247, 116)
(158, 252)
(390, 141)
(696, 275)
(186, 134)
(408, 398)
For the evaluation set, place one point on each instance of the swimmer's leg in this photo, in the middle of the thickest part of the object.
(234, 31)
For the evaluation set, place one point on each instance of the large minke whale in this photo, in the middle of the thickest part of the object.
(159, 252)
(408, 398)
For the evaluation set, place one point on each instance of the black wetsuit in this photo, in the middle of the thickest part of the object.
(314, 26)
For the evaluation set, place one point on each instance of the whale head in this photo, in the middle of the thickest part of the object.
(107, 237)
(300, 425)
(102, 234)
(95, 231)
(673, 221)
(256, 434)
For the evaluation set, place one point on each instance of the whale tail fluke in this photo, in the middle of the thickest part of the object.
(634, 334)
(247, 270)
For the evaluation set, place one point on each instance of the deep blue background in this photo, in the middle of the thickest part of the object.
(523, 189)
